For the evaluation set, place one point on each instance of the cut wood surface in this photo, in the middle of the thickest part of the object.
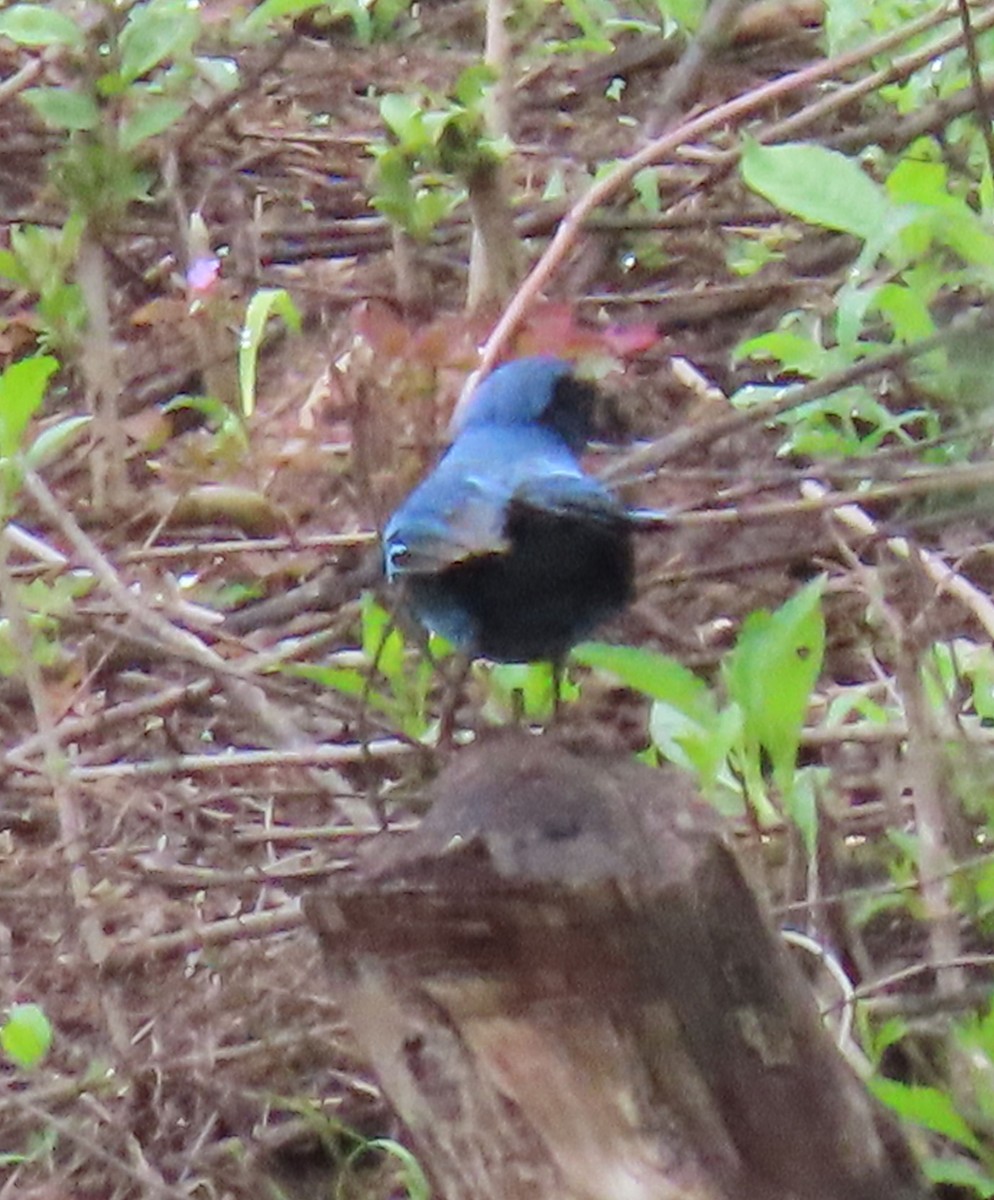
(567, 987)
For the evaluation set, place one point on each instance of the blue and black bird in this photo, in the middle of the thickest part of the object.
(508, 548)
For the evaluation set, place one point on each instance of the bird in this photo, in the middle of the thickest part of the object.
(508, 548)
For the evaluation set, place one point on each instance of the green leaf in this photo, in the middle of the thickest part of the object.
(346, 680)
(382, 643)
(926, 1106)
(820, 186)
(474, 84)
(431, 205)
(906, 308)
(12, 269)
(26, 1036)
(415, 1181)
(375, 623)
(264, 303)
(62, 108)
(40, 25)
(793, 351)
(770, 674)
(699, 743)
(649, 672)
(22, 389)
(880, 1038)
(404, 117)
(960, 1175)
(50, 443)
(394, 195)
(273, 10)
(846, 24)
(801, 804)
(646, 185)
(155, 31)
(528, 685)
(154, 115)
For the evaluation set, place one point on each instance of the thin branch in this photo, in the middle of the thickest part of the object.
(731, 111)
(981, 101)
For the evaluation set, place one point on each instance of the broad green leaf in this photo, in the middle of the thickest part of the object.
(793, 351)
(12, 269)
(961, 1175)
(154, 115)
(966, 234)
(986, 190)
(770, 674)
(57, 598)
(350, 682)
(817, 185)
(906, 308)
(649, 672)
(40, 25)
(22, 389)
(264, 303)
(646, 185)
(26, 1035)
(154, 32)
(431, 205)
(880, 1037)
(474, 83)
(394, 195)
(680, 14)
(533, 683)
(436, 123)
(62, 108)
(920, 178)
(926, 1106)
(846, 24)
(404, 117)
(592, 24)
(346, 680)
(375, 622)
(382, 644)
(700, 745)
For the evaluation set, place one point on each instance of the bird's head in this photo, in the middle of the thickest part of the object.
(540, 390)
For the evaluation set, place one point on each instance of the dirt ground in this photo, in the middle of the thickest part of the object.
(156, 838)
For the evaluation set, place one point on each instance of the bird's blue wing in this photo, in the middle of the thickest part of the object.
(462, 509)
(447, 520)
(568, 493)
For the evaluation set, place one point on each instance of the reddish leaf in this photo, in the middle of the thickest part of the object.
(450, 341)
(379, 325)
(629, 341)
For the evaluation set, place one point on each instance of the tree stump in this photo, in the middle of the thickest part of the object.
(568, 990)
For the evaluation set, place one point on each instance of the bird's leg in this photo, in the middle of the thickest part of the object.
(455, 678)
(558, 667)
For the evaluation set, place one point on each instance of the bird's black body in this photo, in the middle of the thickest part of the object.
(508, 548)
(563, 577)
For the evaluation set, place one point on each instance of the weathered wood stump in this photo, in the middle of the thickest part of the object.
(568, 991)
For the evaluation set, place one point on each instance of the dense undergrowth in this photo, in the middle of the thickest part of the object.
(239, 301)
